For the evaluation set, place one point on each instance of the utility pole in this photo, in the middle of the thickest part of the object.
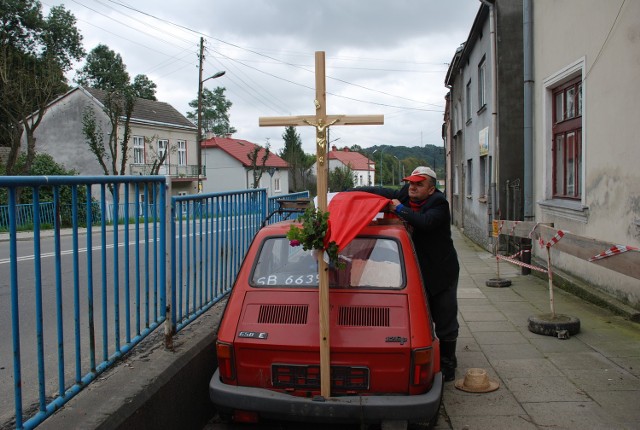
(199, 135)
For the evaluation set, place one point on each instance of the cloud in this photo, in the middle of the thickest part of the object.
(382, 57)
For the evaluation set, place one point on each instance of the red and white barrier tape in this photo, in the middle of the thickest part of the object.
(614, 250)
(555, 239)
(520, 263)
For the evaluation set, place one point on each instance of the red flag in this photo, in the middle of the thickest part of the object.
(349, 213)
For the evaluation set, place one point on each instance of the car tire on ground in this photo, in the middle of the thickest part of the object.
(554, 325)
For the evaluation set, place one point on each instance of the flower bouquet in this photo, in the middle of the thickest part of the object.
(314, 234)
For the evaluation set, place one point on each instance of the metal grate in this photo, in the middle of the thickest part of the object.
(366, 316)
(283, 314)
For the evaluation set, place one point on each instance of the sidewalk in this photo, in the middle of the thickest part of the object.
(590, 381)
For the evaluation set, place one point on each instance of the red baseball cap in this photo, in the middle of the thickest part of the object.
(420, 173)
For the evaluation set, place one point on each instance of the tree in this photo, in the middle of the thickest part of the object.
(144, 88)
(105, 70)
(308, 179)
(35, 52)
(118, 105)
(157, 157)
(293, 154)
(341, 179)
(357, 148)
(258, 167)
(215, 112)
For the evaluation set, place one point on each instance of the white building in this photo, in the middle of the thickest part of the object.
(227, 167)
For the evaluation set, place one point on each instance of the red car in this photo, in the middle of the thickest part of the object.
(384, 354)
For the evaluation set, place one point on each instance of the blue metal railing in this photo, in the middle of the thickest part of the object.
(77, 309)
(70, 309)
(211, 234)
(47, 210)
(273, 206)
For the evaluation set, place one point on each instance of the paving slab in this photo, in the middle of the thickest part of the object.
(508, 422)
(573, 416)
(545, 389)
(590, 381)
(530, 367)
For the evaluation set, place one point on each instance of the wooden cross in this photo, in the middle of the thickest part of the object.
(321, 121)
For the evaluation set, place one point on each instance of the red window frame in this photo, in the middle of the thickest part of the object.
(567, 140)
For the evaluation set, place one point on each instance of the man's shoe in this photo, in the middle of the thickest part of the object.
(448, 361)
(448, 374)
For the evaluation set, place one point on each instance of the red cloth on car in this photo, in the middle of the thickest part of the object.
(349, 213)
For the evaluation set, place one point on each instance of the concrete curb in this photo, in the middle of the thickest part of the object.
(151, 387)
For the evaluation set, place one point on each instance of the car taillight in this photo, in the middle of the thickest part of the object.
(224, 352)
(422, 366)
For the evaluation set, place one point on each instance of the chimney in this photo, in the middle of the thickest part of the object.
(333, 148)
(345, 149)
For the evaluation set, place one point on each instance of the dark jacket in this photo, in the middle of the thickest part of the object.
(431, 236)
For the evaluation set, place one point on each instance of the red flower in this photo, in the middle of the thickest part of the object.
(294, 242)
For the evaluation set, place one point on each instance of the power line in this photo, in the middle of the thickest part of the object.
(279, 61)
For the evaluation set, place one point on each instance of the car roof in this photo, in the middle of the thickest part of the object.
(381, 227)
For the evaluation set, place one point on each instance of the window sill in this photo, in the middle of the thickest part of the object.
(469, 121)
(482, 199)
(570, 209)
(482, 109)
(469, 196)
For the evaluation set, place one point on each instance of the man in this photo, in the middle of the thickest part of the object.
(426, 210)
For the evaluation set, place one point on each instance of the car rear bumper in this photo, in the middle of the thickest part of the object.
(367, 409)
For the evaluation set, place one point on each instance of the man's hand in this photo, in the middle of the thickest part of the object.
(393, 205)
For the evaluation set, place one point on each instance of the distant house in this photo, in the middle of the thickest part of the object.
(227, 167)
(363, 168)
(156, 128)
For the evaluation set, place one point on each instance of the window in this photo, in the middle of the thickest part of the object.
(468, 100)
(482, 84)
(456, 125)
(567, 140)
(276, 184)
(483, 172)
(455, 180)
(138, 150)
(469, 178)
(182, 153)
(457, 117)
(163, 144)
(370, 262)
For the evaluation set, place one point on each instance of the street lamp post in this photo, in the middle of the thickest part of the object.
(399, 170)
(199, 137)
(381, 151)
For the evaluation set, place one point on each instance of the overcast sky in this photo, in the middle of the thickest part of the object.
(385, 57)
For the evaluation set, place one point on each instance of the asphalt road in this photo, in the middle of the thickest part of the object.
(40, 262)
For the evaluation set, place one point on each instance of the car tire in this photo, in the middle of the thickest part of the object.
(554, 325)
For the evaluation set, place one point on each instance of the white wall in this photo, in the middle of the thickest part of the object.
(224, 173)
(575, 37)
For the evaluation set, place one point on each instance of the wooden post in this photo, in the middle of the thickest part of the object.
(321, 121)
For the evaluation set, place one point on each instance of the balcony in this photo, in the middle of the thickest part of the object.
(172, 170)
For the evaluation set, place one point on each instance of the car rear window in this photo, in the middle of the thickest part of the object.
(370, 262)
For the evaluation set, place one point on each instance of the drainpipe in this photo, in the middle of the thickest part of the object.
(494, 204)
(527, 44)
